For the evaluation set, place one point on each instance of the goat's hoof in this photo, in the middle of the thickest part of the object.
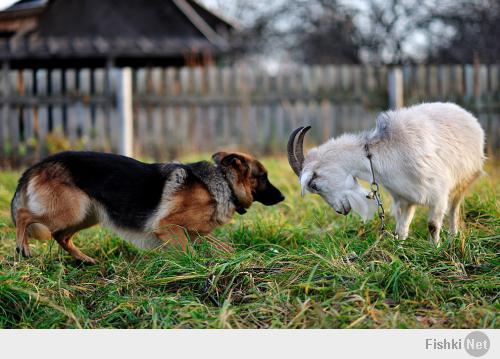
(400, 237)
(435, 242)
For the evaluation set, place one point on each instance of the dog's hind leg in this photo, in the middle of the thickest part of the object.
(64, 238)
(24, 218)
(39, 231)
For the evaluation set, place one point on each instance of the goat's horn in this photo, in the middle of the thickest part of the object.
(299, 147)
(296, 158)
(292, 159)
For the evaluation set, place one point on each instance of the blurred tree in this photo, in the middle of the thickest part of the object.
(327, 34)
(372, 31)
(388, 28)
(475, 28)
(311, 31)
(257, 22)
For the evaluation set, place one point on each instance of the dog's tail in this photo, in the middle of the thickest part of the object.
(15, 203)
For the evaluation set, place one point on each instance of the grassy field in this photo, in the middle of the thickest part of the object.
(296, 265)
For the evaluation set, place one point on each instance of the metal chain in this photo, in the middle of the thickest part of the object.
(375, 191)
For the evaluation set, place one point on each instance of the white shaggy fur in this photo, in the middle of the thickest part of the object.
(426, 154)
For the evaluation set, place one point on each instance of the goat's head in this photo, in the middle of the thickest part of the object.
(325, 170)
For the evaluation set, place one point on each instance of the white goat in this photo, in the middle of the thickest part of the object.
(426, 154)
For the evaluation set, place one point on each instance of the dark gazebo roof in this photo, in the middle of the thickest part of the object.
(113, 29)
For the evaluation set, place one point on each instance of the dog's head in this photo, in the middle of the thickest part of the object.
(248, 180)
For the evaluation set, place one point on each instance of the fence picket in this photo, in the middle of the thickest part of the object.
(203, 109)
(494, 78)
(71, 108)
(42, 111)
(56, 90)
(4, 109)
(85, 121)
(28, 117)
(15, 114)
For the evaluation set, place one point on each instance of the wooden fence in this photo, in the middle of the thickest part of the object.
(162, 112)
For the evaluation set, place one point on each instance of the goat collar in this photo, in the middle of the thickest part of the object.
(374, 189)
(369, 155)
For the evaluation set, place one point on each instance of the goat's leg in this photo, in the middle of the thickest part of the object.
(456, 196)
(403, 211)
(454, 213)
(436, 214)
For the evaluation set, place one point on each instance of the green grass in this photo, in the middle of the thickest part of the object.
(296, 265)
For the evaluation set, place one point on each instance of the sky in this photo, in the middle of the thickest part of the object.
(5, 3)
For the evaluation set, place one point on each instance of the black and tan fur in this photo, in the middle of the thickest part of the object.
(148, 204)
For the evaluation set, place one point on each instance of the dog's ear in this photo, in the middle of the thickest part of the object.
(237, 162)
(218, 156)
(233, 160)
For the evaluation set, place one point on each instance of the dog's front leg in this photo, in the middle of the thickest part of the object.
(173, 234)
(218, 244)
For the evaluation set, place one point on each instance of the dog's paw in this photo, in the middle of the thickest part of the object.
(86, 260)
(25, 251)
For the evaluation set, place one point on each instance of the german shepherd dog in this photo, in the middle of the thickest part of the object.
(148, 204)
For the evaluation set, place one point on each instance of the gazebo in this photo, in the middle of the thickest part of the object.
(104, 33)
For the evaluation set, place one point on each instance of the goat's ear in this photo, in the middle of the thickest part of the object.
(304, 179)
(218, 156)
(383, 126)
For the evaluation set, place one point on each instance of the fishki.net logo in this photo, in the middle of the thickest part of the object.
(475, 343)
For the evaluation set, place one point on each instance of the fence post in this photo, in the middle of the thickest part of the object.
(395, 84)
(4, 114)
(125, 113)
(469, 82)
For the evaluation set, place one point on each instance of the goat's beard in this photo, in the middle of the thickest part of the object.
(360, 204)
